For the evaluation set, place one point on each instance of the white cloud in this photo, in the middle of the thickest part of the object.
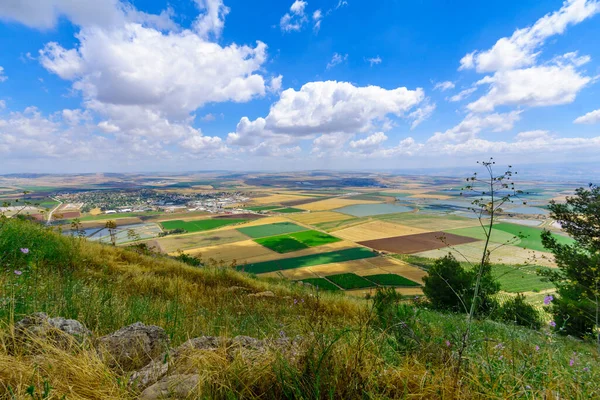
(3, 77)
(571, 58)
(593, 117)
(421, 114)
(370, 142)
(473, 124)
(275, 84)
(295, 19)
(463, 94)
(374, 61)
(2, 105)
(443, 86)
(521, 49)
(317, 17)
(107, 127)
(212, 22)
(532, 135)
(535, 87)
(337, 59)
(211, 146)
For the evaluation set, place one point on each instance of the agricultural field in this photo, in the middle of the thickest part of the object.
(330, 204)
(376, 230)
(288, 210)
(322, 284)
(391, 280)
(172, 243)
(319, 217)
(430, 222)
(277, 199)
(238, 251)
(416, 243)
(350, 281)
(279, 228)
(296, 241)
(199, 225)
(532, 239)
(368, 210)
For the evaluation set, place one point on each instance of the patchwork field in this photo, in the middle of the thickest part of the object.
(319, 217)
(350, 281)
(376, 230)
(330, 204)
(417, 243)
(238, 251)
(288, 210)
(391, 280)
(430, 222)
(532, 239)
(169, 244)
(367, 210)
(199, 225)
(271, 229)
(277, 199)
(321, 283)
(309, 260)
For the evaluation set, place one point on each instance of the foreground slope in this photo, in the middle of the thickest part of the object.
(344, 349)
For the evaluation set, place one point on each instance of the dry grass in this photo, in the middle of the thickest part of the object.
(330, 204)
(319, 217)
(376, 230)
(276, 198)
(361, 293)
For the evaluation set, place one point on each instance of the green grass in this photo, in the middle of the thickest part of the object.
(391, 280)
(321, 283)
(279, 228)
(288, 210)
(296, 241)
(351, 281)
(355, 253)
(532, 239)
(261, 208)
(199, 225)
(281, 244)
(476, 232)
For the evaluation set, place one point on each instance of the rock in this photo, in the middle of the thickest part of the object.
(60, 330)
(133, 346)
(173, 387)
(268, 293)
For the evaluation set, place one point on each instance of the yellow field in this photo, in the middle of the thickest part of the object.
(172, 243)
(330, 204)
(276, 198)
(239, 251)
(402, 291)
(95, 211)
(319, 217)
(376, 230)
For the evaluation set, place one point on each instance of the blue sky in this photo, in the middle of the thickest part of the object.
(152, 85)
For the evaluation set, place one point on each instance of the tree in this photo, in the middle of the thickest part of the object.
(111, 226)
(576, 308)
(518, 311)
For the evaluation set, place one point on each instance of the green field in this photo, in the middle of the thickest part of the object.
(199, 225)
(102, 217)
(261, 208)
(519, 279)
(296, 241)
(288, 210)
(532, 239)
(355, 253)
(391, 280)
(279, 228)
(321, 283)
(281, 244)
(476, 232)
(350, 281)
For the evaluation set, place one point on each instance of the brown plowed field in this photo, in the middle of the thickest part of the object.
(416, 243)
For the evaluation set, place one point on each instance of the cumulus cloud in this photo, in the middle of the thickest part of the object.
(295, 19)
(337, 59)
(463, 94)
(535, 86)
(275, 84)
(421, 114)
(212, 22)
(370, 142)
(521, 49)
(443, 86)
(532, 135)
(593, 117)
(473, 124)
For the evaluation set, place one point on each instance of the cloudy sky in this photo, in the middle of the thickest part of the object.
(159, 85)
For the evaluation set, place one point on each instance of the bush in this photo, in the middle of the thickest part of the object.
(518, 311)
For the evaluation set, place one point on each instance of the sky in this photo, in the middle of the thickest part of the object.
(190, 85)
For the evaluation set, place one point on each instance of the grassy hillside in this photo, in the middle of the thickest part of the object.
(346, 350)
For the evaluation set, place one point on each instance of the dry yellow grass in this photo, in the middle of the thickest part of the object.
(402, 291)
(330, 204)
(371, 271)
(319, 217)
(239, 251)
(95, 211)
(276, 198)
(298, 273)
(377, 230)
(397, 267)
(342, 267)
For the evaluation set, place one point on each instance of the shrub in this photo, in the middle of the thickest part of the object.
(518, 311)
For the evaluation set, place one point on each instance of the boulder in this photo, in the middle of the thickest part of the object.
(173, 387)
(268, 293)
(133, 346)
(63, 332)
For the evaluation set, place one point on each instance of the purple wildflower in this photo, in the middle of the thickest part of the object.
(537, 348)
(18, 273)
(24, 250)
(552, 324)
(571, 362)
(586, 369)
(499, 346)
(448, 344)
(548, 299)
(527, 387)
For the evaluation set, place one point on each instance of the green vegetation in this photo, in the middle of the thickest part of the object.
(288, 210)
(103, 217)
(281, 244)
(476, 232)
(321, 283)
(532, 239)
(355, 253)
(391, 280)
(262, 208)
(350, 281)
(314, 238)
(199, 225)
(279, 228)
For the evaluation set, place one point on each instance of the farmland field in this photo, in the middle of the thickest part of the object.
(417, 243)
(117, 215)
(350, 281)
(288, 210)
(367, 210)
(319, 217)
(330, 204)
(390, 280)
(277, 199)
(281, 244)
(199, 225)
(532, 239)
(271, 229)
(376, 230)
(169, 244)
(321, 283)
(477, 232)
(314, 238)
(430, 222)
(239, 251)
(261, 208)
(309, 260)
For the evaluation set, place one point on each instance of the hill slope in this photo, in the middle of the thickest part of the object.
(345, 348)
